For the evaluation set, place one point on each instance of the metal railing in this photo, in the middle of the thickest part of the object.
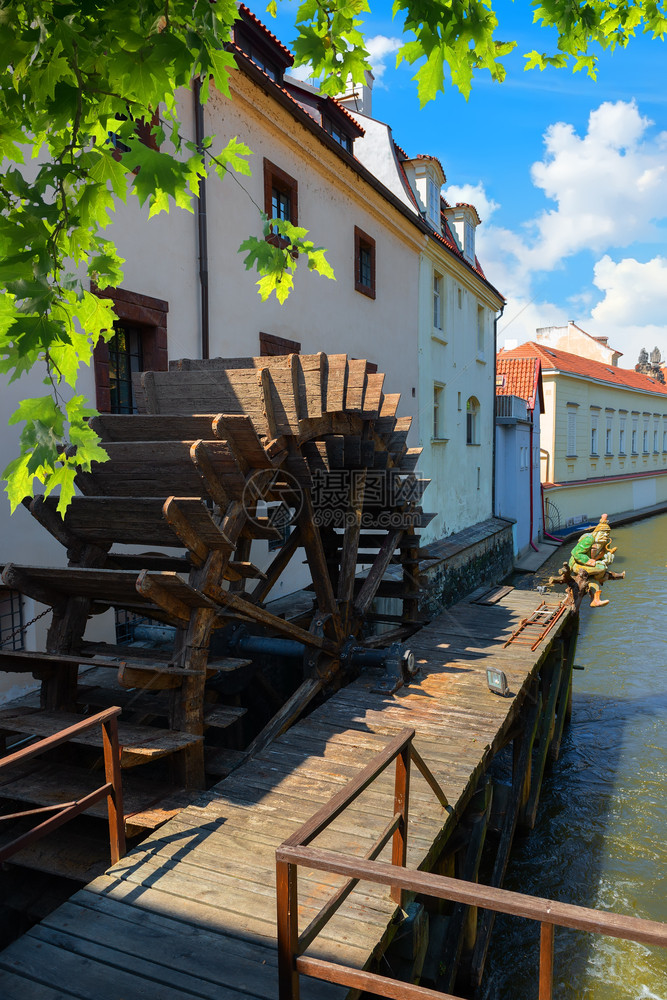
(64, 811)
(511, 406)
(292, 963)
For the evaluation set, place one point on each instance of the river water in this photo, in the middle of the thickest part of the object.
(601, 833)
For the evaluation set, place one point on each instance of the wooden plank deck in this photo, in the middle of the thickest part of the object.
(191, 911)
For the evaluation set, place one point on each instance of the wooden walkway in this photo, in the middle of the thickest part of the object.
(191, 911)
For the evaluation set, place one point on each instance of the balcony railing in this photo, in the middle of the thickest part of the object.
(292, 963)
(511, 406)
(64, 811)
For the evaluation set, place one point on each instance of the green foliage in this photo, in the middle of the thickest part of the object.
(457, 38)
(76, 79)
(275, 257)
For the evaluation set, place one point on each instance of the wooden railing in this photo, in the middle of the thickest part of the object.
(64, 811)
(295, 851)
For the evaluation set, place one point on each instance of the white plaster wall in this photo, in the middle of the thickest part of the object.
(450, 358)
(513, 483)
(375, 149)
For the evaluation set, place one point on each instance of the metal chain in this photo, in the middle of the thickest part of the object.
(22, 628)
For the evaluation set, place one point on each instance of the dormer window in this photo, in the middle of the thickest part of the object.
(426, 177)
(337, 133)
(463, 221)
(258, 57)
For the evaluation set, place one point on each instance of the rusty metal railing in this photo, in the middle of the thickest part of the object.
(292, 962)
(64, 811)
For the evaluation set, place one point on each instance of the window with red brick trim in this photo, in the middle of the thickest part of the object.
(364, 263)
(139, 344)
(281, 194)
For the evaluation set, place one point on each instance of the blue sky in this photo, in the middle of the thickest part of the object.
(569, 176)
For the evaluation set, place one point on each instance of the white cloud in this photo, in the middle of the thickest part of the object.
(472, 194)
(522, 317)
(303, 73)
(610, 186)
(610, 190)
(379, 47)
(634, 293)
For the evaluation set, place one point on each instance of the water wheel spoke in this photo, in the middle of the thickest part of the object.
(275, 570)
(317, 561)
(377, 571)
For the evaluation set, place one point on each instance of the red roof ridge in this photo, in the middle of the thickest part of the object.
(574, 364)
(274, 39)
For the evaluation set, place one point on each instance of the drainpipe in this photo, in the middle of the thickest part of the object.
(202, 229)
(495, 369)
(530, 466)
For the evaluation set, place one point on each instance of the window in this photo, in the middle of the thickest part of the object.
(621, 436)
(437, 301)
(459, 295)
(572, 432)
(280, 194)
(434, 203)
(459, 401)
(645, 436)
(655, 436)
(139, 344)
(438, 411)
(480, 329)
(11, 619)
(608, 437)
(125, 359)
(364, 263)
(469, 241)
(472, 421)
(337, 133)
(635, 434)
(594, 434)
(252, 51)
(664, 440)
(270, 346)
(143, 130)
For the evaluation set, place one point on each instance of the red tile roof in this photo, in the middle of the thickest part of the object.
(572, 364)
(520, 377)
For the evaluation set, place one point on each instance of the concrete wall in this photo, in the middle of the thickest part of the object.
(482, 555)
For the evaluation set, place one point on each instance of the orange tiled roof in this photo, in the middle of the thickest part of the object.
(521, 377)
(572, 364)
(263, 28)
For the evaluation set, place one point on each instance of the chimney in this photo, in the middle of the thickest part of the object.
(359, 96)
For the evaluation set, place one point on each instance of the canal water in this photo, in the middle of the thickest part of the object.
(601, 833)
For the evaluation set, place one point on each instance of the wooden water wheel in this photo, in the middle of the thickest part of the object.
(217, 451)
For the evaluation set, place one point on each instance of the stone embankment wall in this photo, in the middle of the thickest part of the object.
(481, 554)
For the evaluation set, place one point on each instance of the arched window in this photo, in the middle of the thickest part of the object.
(472, 421)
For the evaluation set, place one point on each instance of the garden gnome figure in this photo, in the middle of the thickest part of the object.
(593, 554)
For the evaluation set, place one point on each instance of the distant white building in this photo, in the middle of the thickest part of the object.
(603, 438)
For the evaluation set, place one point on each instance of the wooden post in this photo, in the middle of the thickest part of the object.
(546, 960)
(288, 930)
(399, 848)
(115, 796)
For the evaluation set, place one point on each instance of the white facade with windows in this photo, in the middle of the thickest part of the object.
(603, 438)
